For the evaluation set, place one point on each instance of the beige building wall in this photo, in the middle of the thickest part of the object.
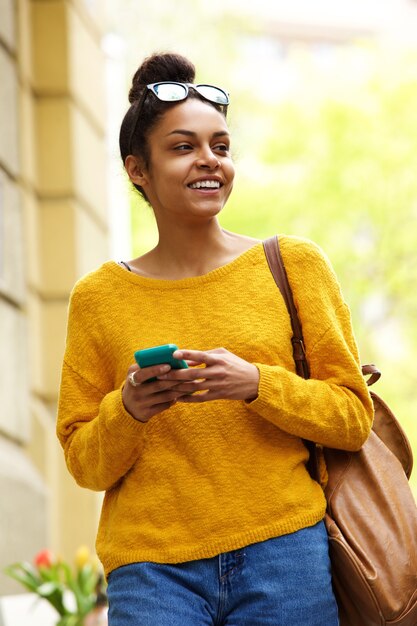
(53, 229)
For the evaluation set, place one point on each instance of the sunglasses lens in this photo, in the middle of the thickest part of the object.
(214, 94)
(170, 91)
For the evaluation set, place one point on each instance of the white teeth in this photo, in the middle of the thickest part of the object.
(211, 184)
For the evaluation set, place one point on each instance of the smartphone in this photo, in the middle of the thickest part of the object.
(157, 356)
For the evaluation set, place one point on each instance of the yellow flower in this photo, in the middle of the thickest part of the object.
(82, 556)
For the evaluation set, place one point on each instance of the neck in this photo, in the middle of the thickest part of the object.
(193, 250)
(190, 251)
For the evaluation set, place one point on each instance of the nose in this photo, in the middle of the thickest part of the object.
(207, 160)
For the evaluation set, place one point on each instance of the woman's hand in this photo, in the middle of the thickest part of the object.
(144, 399)
(223, 376)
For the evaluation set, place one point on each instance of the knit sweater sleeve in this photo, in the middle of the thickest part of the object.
(101, 440)
(333, 407)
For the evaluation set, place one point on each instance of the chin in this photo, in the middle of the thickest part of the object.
(209, 211)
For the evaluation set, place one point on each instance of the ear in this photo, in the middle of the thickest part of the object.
(136, 170)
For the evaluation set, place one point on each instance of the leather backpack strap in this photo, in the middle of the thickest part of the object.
(373, 372)
(276, 265)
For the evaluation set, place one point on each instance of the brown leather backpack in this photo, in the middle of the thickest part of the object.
(371, 516)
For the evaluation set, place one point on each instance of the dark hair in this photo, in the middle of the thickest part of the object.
(156, 68)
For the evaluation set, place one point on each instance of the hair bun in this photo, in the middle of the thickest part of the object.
(160, 67)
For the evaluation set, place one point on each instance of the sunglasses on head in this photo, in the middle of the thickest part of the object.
(171, 91)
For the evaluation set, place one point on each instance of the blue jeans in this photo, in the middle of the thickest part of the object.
(280, 582)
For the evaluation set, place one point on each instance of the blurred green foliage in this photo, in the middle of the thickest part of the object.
(334, 158)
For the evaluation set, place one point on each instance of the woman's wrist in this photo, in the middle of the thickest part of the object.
(253, 388)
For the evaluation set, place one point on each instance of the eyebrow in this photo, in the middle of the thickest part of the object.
(190, 133)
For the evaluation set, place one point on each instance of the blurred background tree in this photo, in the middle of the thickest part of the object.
(324, 138)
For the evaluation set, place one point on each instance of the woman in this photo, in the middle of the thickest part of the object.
(210, 516)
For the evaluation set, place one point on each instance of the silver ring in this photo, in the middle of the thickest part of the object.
(132, 380)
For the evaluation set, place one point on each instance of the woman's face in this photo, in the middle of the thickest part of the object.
(191, 172)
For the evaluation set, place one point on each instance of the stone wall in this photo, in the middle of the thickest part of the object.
(53, 229)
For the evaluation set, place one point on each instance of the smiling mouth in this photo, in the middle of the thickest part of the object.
(205, 184)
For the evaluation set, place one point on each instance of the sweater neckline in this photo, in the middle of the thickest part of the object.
(249, 256)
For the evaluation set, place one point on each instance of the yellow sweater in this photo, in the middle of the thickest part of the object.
(201, 479)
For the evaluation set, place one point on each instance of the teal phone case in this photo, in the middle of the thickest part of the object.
(159, 355)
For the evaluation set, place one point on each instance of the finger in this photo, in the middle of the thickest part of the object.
(143, 411)
(159, 386)
(163, 397)
(198, 356)
(163, 407)
(192, 387)
(143, 374)
(197, 398)
(147, 394)
(185, 375)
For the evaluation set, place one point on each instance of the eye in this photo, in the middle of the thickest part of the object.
(221, 147)
(183, 146)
